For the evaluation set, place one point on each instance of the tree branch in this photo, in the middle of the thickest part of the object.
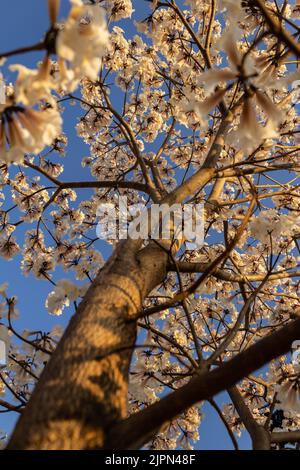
(291, 436)
(259, 436)
(139, 428)
(276, 28)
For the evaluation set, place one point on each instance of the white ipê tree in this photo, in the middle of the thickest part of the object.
(208, 114)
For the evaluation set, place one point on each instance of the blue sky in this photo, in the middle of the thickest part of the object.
(24, 23)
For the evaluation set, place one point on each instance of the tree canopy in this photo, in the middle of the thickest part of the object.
(195, 104)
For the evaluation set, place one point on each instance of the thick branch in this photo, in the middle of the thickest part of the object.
(290, 436)
(259, 436)
(276, 28)
(141, 427)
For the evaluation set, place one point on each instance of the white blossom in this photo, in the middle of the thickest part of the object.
(84, 39)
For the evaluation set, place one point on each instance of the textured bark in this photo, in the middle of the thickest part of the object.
(83, 389)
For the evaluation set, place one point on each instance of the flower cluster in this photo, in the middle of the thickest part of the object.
(83, 40)
(64, 293)
(80, 45)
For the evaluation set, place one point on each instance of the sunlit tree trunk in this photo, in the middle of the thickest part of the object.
(83, 389)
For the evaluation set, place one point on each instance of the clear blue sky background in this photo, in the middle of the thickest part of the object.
(24, 23)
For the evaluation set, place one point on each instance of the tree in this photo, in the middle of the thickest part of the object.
(207, 115)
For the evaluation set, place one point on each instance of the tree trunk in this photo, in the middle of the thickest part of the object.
(83, 389)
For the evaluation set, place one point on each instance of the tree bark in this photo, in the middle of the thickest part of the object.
(83, 389)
